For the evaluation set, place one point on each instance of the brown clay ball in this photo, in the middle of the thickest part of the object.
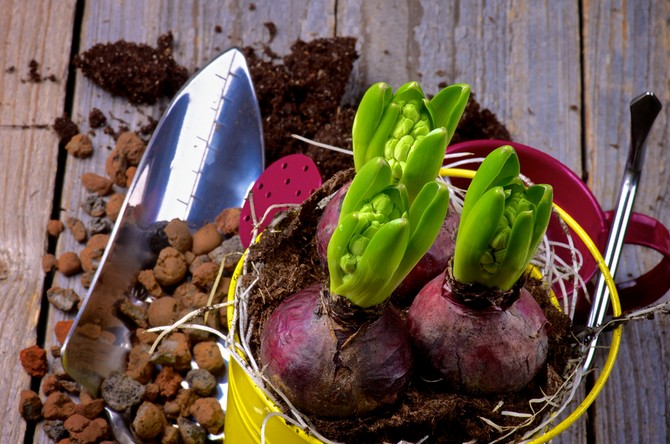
(170, 267)
(162, 311)
(206, 239)
(179, 235)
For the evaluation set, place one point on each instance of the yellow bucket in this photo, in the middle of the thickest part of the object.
(251, 414)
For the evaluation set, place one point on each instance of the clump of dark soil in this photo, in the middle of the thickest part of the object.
(301, 93)
(289, 263)
(65, 128)
(479, 123)
(35, 76)
(139, 72)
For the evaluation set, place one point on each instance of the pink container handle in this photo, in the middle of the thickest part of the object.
(652, 285)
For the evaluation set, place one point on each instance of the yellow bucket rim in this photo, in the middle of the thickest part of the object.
(613, 297)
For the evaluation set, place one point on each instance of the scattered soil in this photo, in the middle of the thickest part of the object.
(300, 94)
(96, 118)
(65, 128)
(139, 72)
(34, 74)
(479, 123)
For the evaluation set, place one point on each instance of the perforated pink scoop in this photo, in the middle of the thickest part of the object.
(289, 180)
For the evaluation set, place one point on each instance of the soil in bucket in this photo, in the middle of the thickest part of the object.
(289, 262)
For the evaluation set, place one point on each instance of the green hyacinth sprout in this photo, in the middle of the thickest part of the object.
(380, 237)
(394, 207)
(408, 130)
(502, 223)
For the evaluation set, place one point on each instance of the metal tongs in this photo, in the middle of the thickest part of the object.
(643, 112)
(205, 154)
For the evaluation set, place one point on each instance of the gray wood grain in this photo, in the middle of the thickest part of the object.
(626, 53)
(28, 156)
(521, 57)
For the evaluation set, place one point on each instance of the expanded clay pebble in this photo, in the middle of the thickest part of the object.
(64, 299)
(149, 282)
(209, 414)
(206, 239)
(58, 405)
(204, 275)
(168, 382)
(121, 392)
(77, 229)
(149, 421)
(30, 406)
(86, 278)
(170, 267)
(115, 167)
(49, 262)
(80, 146)
(139, 366)
(95, 183)
(201, 381)
(136, 313)
(114, 204)
(85, 431)
(55, 430)
(99, 225)
(228, 221)
(69, 263)
(130, 174)
(55, 227)
(34, 361)
(90, 408)
(174, 350)
(208, 356)
(61, 330)
(230, 252)
(94, 205)
(179, 235)
(127, 153)
(162, 311)
(91, 254)
(132, 146)
(190, 432)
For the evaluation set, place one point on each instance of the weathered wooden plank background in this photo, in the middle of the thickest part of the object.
(559, 74)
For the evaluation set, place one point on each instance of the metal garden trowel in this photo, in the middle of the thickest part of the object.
(205, 154)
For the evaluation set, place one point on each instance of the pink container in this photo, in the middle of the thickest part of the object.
(572, 194)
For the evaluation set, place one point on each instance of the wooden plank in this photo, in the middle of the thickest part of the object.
(41, 31)
(520, 57)
(626, 48)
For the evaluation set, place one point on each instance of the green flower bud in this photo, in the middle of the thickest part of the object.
(502, 223)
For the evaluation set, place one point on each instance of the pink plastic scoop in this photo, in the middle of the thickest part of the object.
(289, 180)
